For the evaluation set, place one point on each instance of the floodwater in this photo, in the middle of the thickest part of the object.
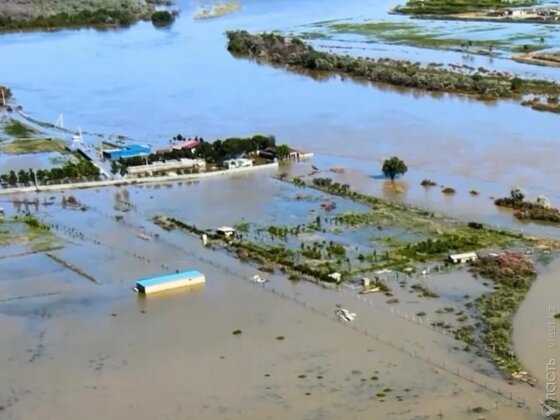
(96, 345)
(151, 84)
(64, 354)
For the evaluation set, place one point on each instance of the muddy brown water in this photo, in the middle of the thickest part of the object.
(63, 354)
(76, 347)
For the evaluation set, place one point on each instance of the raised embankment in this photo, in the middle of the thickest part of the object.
(135, 181)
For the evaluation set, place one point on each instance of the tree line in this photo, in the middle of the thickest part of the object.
(293, 52)
(82, 170)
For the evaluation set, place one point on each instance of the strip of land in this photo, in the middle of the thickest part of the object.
(133, 181)
(45, 14)
(293, 53)
(502, 11)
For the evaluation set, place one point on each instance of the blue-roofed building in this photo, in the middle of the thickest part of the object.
(170, 281)
(129, 151)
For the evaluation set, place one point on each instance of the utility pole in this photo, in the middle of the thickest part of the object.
(36, 182)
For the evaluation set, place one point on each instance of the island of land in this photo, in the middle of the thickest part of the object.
(49, 14)
(293, 53)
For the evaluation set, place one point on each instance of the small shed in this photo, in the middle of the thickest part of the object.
(463, 258)
(225, 231)
(170, 281)
(238, 163)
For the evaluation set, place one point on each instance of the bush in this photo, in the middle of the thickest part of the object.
(428, 183)
(162, 18)
(448, 190)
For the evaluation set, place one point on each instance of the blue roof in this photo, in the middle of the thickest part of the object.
(168, 277)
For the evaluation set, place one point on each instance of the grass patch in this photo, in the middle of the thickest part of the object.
(409, 33)
(28, 231)
(451, 7)
(21, 146)
(17, 129)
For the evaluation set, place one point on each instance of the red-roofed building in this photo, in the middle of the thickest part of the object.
(187, 144)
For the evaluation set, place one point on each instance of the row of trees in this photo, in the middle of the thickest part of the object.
(293, 52)
(82, 170)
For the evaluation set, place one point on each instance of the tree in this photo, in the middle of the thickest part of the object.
(23, 177)
(517, 195)
(283, 151)
(12, 179)
(32, 176)
(162, 18)
(123, 170)
(114, 167)
(393, 167)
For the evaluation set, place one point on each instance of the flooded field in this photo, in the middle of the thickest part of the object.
(80, 343)
(98, 341)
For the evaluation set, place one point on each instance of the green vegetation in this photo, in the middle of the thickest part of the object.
(428, 183)
(59, 13)
(513, 274)
(539, 210)
(393, 167)
(451, 7)
(162, 18)
(213, 153)
(21, 146)
(316, 260)
(15, 128)
(294, 53)
(27, 230)
(80, 170)
(218, 10)
(412, 34)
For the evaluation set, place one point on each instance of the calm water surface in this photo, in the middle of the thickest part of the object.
(151, 84)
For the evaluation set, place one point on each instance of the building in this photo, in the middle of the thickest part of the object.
(238, 163)
(271, 153)
(170, 165)
(186, 145)
(129, 151)
(225, 231)
(170, 281)
(463, 258)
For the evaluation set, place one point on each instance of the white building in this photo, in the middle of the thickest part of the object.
(463, 258)
(169, 165)
(238, 163)
(225, 231)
